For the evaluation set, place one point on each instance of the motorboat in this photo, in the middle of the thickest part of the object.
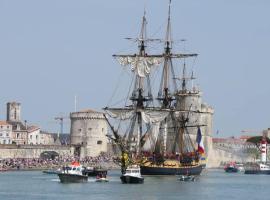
(186, 178)
(73, 173)
(94, 171)
(231, 167)
(132, 175)
(102, 177)
(258, 168)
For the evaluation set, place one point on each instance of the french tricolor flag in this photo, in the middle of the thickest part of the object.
(199, 141)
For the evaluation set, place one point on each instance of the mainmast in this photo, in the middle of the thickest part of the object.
(167, 94)
(164, 93)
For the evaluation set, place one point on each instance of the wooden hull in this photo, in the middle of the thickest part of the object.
(72, 178)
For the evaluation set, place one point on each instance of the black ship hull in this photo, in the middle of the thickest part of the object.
(72, 178)
(131, 179)
(267, 172)
(159, 170)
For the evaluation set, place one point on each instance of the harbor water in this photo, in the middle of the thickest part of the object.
(210, 185)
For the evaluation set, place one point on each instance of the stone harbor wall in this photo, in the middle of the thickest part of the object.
(218, 156)
(28, 151)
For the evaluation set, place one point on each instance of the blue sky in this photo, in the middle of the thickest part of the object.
(52, 50)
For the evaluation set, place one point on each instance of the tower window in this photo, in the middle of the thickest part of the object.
(99, 142)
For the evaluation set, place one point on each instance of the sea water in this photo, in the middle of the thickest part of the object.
(210, 185)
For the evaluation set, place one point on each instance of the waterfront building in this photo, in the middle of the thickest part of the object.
(33, 133)
(21, 132)
(47, 138)
(5, 132)
(88, 133)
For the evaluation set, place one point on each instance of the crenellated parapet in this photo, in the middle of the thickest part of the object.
(86, 115)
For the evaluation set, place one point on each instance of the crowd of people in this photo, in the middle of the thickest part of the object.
(49, 163)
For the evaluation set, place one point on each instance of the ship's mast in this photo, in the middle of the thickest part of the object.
(140, 99)
(164, 94)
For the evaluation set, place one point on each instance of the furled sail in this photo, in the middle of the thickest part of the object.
(141, 65)
(120, 113)
(150, 116)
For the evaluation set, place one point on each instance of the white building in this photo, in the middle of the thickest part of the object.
(5, 133)
(33, 133)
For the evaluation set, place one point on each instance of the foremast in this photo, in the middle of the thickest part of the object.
(141, 65)
(167, 93)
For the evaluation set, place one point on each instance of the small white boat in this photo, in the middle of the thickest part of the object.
(73, 174)
(186, 178)
(102, 177)
(132, 175)
(102, 180)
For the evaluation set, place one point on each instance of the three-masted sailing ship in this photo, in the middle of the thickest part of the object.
(156, 129)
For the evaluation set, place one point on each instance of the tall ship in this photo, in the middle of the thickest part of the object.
(158, 127)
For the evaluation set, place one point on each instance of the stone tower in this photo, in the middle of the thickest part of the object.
(202, 115)
(88, 133)
(13, 112)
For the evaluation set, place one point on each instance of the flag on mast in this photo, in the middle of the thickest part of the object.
(199, 141)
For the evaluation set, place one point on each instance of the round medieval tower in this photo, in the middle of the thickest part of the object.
(88, 133)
